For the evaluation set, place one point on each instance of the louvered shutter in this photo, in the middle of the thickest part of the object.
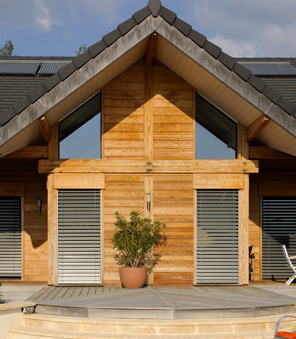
(79, 237)
(278, 227)
(10, 238)
(217, 250)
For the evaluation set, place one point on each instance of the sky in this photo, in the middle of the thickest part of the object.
(251, 28)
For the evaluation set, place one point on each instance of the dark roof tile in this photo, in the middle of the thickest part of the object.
(294, 112)
(227, 60)
(21, 104)
(97, 48)
(67, 70)
(52, 82)
(167, 15)
(257, 83)
(198, 38)
(127, 25)
(82, 59)
(286, 105)
(111, 37)
(182, 26)
(37, 93)
(213, 49)
(154, 6)
(271, 94)
(7, 115)
(242, 71)
(142, 14)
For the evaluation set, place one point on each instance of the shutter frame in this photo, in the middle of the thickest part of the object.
(278, 227)
(10, 238)
(79, 236)
(217, 236)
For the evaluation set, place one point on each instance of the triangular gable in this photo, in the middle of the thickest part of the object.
(185, 51)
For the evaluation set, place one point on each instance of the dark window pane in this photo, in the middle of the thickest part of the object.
(215, 132)
(80, 132)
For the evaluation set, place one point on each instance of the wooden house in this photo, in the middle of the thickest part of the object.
(152, 112)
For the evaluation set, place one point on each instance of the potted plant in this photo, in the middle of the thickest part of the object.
(135, 241)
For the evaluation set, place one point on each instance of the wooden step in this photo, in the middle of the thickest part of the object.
(229, 328)
(37, 333)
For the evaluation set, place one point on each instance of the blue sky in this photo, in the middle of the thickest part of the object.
(59, 27)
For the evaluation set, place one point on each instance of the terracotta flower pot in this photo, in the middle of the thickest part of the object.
(133, 277)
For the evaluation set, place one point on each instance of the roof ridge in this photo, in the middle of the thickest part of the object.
(156, 9)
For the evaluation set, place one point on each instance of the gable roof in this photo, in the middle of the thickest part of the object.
(185, 51)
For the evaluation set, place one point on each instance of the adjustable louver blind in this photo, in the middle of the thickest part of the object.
(217, 251)
(10, 238)
(278, 227)
(79, 237)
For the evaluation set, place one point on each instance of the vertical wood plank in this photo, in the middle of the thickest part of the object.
(53, 143)
(194, 122)
(102, 124)
(148, 188)
(52, 231)
(242, 144)
(255, 227)
(148, 111)
(244, 232)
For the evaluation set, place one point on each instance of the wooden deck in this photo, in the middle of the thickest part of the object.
(163, 302)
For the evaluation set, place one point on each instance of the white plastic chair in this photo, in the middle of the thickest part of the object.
(290, 264)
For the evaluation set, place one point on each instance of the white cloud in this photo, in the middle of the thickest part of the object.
(249, 28)
(235, 49)
(42, 15)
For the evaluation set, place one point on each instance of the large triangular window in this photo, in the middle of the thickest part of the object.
(215, 132)
(80, 132)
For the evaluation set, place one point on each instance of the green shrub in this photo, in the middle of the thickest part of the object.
(136, 240)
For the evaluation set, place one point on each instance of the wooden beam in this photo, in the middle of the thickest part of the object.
(151, 49)
(219, 181)
(43, 123)
(53, 143)
(29, 152)
(141, 166)
(78, 180)
(244, 233)
(242, 144)
(264, 152)
(256, 127)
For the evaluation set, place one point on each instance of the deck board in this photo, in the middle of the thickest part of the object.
(167, 302)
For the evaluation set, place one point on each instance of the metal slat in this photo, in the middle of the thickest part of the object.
(18, 68)
(275, 69)
(10, 238)
(217, 250)
(278, 227)
(50, 68)
(79, 236)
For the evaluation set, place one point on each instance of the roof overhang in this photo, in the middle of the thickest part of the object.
(209, 76)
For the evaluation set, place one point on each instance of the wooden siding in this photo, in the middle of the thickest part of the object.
(148, 113)
(173, 103)
(173, 199)
(123, 102)
(255, 230)
(173, 203)
(20, 178)
(123, 194)
(35, 233)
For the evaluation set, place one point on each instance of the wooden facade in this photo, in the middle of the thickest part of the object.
(148, 146)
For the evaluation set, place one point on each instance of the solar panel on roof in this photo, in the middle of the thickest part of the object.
(51, 68)
(271, 69)
(15, 68)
